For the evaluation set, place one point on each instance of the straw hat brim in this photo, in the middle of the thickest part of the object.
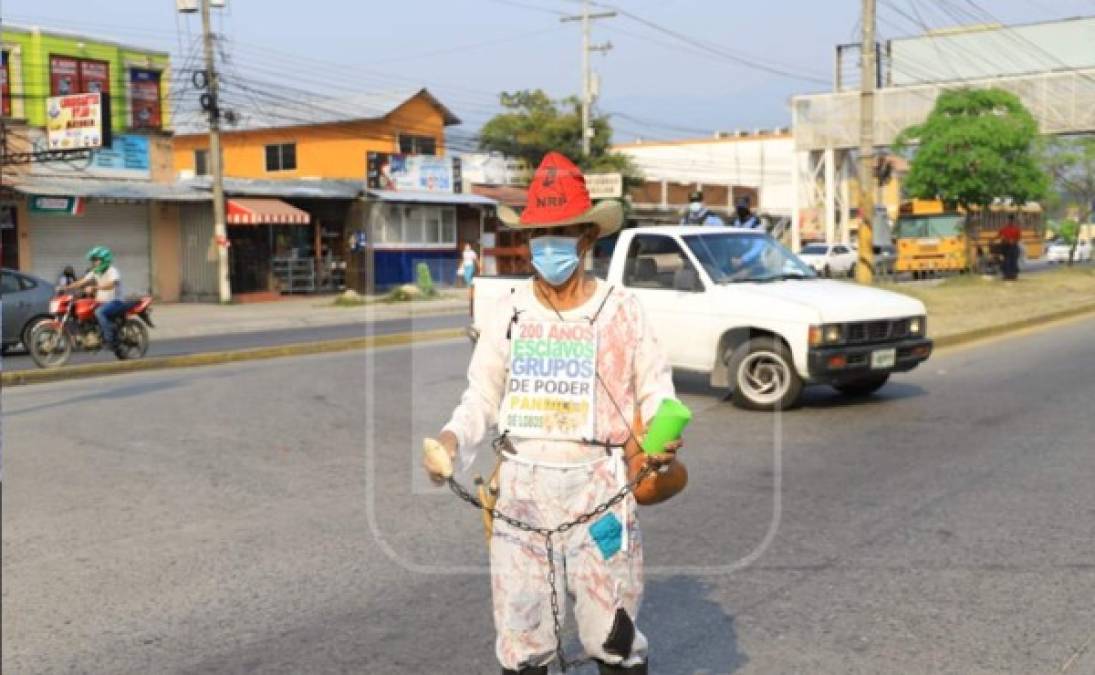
(607, 215)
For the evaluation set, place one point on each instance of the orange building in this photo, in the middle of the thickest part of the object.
(326, 139)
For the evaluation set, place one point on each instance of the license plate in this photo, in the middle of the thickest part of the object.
(883, 358)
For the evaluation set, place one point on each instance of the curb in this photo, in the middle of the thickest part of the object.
(350, 344)
(222, 357)
(976, 334)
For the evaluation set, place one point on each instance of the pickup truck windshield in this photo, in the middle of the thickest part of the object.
(731, 257)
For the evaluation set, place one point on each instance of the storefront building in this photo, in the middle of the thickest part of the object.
(120, 195)
(285, 236)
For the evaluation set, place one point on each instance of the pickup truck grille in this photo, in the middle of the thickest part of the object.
(876, 331)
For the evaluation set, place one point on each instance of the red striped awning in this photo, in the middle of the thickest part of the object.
(265, 212)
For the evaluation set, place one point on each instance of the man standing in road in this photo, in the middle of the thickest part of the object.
(106, 281)
(1009, 236)
(560, 462)
(743, 216)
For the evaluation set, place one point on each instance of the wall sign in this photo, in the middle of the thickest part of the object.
(74, 121)
(62, 206)
(413, 173)
(128, 156)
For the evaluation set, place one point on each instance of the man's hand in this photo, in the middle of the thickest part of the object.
(439, 456)
(667, 455)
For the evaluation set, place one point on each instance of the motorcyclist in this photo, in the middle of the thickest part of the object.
(104, 278)
(698, 214)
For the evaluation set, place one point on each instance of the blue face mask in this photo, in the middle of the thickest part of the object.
(555, 258)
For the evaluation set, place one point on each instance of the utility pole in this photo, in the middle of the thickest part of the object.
(587, 79)
(216, 164)
(864, 271)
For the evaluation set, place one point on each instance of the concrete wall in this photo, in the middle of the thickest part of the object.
(760, 161)
(166, 245)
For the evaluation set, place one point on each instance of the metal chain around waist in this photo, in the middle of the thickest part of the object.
(548, 533)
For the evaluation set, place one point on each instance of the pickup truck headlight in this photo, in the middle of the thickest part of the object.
(827, 334)
(917, 325)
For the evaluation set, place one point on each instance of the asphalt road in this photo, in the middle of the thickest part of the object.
(268, 517)
(19, 359)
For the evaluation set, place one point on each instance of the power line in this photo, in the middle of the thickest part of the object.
(724, 53)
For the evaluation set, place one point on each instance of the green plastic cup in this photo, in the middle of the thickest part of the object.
(668, 423)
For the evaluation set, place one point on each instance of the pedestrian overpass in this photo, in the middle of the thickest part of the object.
(826, 133)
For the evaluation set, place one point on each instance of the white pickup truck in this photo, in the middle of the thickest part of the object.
(737, 306)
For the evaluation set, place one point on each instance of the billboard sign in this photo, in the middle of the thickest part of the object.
(413, 173)
(74, 122)
(127, 156)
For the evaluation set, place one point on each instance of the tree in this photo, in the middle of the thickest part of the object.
(534, 125)
(1070, 162)
(977, 146)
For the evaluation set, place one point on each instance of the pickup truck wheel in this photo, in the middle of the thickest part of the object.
(863, 386)
(763, 375)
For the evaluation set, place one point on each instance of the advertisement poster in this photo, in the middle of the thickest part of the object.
(64, 75)
(95, 77)
(74, 121)
(551, 391)
(144, 88)
(413, 173)
(128, 156)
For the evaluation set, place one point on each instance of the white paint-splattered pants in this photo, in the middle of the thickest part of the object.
(600, 564)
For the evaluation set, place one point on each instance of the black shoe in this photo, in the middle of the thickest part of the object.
(610, 669)
(527, 670)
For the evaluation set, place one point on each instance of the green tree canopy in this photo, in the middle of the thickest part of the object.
(1070, 163)
(534, 125)
(977, 146)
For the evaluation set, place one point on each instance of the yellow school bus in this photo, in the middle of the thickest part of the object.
(930, 239)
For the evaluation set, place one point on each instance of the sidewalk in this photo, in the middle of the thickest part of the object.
(182, 320)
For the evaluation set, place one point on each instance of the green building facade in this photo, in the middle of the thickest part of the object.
(39, 63)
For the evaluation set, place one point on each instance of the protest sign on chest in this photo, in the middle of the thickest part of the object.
(551, 389)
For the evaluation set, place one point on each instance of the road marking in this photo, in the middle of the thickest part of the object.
(1077, 654)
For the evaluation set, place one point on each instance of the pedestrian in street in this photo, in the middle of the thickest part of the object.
(470, 265)
(698, 214)
(743, 216)
(1009, 236)
(558, 465)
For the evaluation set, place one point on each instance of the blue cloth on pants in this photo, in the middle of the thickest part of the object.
(608, 534)
(105, 314)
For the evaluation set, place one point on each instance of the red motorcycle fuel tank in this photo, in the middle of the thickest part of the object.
(85, 309)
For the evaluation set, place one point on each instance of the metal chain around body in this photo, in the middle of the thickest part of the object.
(548, 533)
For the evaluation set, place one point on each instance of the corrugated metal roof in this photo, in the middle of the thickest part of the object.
(299, 188)
(110, 189)
(431, 197)
(356, 107)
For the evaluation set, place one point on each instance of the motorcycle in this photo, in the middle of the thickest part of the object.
(74, 327)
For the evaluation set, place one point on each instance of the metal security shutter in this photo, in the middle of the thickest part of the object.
(59, 240)
(199, 273)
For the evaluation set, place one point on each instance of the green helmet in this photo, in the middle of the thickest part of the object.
(103, 255)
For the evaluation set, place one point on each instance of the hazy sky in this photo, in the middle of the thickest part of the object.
(468, 50)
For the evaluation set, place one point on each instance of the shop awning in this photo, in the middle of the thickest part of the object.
(265, 212)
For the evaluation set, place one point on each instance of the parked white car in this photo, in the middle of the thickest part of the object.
(829, 260)
(737, 306)
(1058, 251)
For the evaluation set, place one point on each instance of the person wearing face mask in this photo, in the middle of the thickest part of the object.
(743, 217)
(558, 462)
(698, 214)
